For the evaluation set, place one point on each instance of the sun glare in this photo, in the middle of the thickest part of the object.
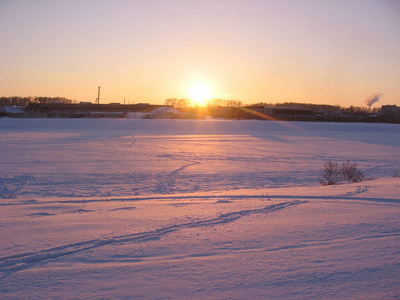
(200, 94)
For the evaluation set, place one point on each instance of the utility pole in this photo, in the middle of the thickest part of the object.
(98, 95)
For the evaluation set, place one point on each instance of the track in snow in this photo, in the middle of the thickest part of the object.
(14, 263)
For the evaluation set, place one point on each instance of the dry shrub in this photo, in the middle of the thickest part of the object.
(347, 172)
(330, 174)
(351, 173)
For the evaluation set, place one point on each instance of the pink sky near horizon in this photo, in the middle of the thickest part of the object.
(330, 52)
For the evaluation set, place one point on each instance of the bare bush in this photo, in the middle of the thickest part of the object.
(347, 172)
(330, 174)
(351, 173)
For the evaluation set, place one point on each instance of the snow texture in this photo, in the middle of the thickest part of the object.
(190, 209)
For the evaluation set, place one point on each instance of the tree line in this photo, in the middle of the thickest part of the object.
(178, 103)
(23, 101)
(351, 111)
(187, 103)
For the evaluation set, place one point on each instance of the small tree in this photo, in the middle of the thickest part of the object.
(330, 173)
(351, 173)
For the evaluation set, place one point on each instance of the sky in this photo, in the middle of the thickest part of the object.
(324, 52)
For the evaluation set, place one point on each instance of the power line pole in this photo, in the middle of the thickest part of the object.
(98, 95)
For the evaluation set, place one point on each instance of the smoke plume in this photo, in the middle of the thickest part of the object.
(373, 98)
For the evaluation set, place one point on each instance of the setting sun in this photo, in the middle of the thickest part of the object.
(199, 94)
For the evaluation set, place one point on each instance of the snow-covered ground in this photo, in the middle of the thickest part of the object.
(189, 209)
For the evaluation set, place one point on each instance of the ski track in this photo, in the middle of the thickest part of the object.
(348, 196)
(359, 190)
(227, 249)
(14, 263)
(167, 186)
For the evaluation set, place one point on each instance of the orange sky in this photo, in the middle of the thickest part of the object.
(332, 52)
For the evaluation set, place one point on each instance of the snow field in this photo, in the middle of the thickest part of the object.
(177, 209)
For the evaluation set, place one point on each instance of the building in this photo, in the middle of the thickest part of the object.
(390, 110)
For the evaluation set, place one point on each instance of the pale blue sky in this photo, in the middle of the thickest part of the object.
(325, 51)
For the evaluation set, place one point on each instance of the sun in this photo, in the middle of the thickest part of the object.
(200, 94)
